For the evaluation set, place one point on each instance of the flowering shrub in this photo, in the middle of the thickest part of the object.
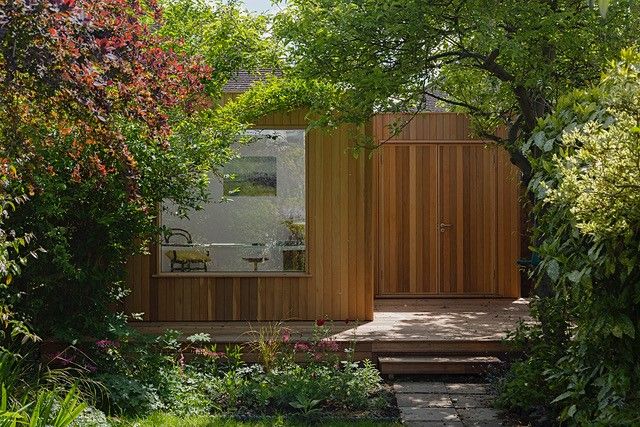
(105, 112)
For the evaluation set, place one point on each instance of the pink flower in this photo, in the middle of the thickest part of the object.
(301, 346)
(328, 345)
(320, 322)
(286, 335)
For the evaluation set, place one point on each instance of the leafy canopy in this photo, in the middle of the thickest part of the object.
(505, 62)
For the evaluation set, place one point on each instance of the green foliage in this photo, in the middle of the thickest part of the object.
(169, 420)
(280, 385)
(12, 260)
(307, 390)
(228, 37)
(585, 185)
(31, 395)
(503, 62)
(48, 409)
(98, 159)
(128, 396)
(142, 375)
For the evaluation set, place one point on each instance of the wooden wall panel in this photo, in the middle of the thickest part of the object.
(424, 127)
(510, 233)
(468, 194)
(339, 285)
(342, 205)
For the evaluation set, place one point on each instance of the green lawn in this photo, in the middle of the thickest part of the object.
(160, 419)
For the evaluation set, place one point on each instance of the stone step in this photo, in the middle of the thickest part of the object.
(437, 365)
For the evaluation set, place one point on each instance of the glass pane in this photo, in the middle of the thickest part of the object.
(256, 218)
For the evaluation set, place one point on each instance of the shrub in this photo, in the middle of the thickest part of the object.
(583, 354)
(148, 374)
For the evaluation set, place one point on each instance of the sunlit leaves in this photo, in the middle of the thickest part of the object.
(588, 236)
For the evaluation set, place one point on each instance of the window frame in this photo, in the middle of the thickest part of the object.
(306, 273)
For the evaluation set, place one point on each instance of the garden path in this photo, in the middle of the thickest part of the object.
(437, 403)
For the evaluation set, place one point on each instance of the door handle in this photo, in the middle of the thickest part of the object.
(443, 226)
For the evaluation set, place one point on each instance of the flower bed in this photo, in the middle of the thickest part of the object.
(142, 375)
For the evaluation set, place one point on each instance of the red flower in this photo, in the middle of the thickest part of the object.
(320, 322)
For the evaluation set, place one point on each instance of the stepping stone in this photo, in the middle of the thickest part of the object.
(424, 400)
(471, 400)
(466, 388)
(479, 415)
(429, 414)
(419, 387)
(434, 424)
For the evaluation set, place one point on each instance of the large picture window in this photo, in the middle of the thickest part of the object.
(256, 218)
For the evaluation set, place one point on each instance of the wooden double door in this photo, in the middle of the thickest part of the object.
(442, 224)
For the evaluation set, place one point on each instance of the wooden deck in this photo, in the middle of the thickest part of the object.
(400, 326)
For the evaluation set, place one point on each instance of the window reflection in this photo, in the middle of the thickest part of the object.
(256, 218)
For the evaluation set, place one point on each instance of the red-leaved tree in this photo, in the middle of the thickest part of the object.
(76, 70)
(92, 103)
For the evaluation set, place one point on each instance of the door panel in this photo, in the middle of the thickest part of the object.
(467, 219)
(438, 213)
(408, 246)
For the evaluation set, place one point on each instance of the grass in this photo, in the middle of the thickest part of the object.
(161, 419)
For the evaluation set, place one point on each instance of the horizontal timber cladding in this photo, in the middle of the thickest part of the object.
(339, 283)
(447, 210)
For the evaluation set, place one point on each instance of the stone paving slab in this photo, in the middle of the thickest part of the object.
(478, 414)
(419, 387)
(462, 401)
(429, 414)
(445, 404)
(434, 424)
(466, 388)
(424, 400)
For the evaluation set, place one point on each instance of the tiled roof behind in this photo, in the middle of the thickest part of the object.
(243, 80)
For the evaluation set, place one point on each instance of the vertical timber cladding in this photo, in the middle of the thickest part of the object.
(339, 283)
(448, 211)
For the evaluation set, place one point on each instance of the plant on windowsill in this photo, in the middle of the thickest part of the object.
(296, 231)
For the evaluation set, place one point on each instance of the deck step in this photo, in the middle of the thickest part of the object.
(440, 348)
(437, 365)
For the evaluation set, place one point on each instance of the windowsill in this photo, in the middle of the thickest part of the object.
(257, 274)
